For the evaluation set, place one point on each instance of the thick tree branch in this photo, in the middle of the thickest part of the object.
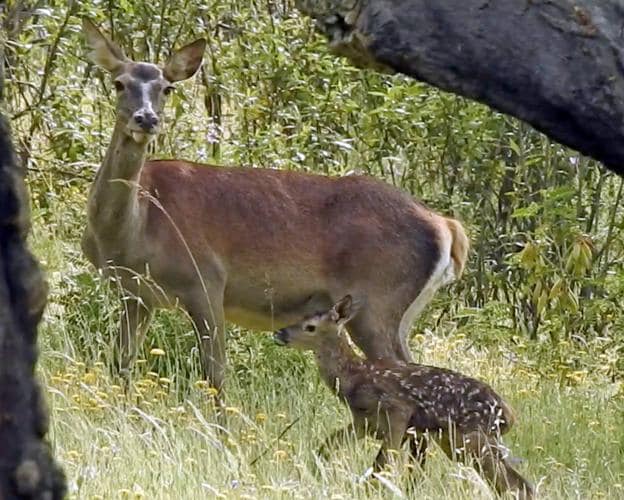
(26, 466)
(556, 64)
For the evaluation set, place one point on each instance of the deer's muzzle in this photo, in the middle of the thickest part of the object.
(281, 337)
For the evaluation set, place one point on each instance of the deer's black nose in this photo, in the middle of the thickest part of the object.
(281, 337)
(147, 120)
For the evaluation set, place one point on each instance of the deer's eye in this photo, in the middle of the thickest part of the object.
(168, 90)
(310, 328)
(118, 85)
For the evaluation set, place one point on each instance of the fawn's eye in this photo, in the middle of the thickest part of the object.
(310, 328)
(168, 90)
(118, 85)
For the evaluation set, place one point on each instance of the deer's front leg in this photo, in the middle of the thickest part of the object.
(340, 436)
(392, 426)
(135, 320)
(209, 321)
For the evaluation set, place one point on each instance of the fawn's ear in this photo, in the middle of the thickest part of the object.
(185, 62)
(344, 310)
(104, 52)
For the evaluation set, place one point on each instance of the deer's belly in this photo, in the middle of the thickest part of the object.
(271, 311)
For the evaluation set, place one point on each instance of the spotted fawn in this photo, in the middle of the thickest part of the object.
(389, 398)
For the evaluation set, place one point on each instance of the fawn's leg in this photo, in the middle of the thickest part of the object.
(393, 427)
(493, 465)
(339, 437)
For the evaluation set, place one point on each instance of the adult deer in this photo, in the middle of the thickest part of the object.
(259, 247)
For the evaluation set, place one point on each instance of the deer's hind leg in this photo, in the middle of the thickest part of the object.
(375, 330)
(494, 465)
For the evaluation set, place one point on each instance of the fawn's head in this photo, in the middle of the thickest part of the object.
(314, 331)
(141, 87)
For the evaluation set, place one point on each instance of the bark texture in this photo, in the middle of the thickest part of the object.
(556, 64)
(27, 469)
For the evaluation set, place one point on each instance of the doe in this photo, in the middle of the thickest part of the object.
(389, 398)
(258, 247)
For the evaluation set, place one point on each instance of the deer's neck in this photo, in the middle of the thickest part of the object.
(113, 198)
(338, 364)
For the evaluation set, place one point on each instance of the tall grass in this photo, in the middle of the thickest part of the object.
(162, 438)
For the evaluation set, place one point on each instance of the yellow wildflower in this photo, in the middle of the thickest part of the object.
(280, 454)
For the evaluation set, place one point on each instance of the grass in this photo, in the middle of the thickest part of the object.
(162, 438)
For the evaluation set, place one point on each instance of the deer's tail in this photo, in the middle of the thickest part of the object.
(459, 246)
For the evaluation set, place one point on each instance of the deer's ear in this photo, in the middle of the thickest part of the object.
(344, 309)
(104, 52)
(185, 62)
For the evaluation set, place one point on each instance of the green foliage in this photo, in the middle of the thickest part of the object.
(545, 223)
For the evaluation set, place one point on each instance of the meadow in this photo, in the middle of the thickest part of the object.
(161, 437)
(537, 313)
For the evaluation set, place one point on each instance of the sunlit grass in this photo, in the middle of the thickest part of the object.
(161, 437)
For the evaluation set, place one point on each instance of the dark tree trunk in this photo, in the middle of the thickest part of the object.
(27, 469)
(556, 64)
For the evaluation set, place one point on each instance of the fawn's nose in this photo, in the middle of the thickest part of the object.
(281, 337)
(146, 120)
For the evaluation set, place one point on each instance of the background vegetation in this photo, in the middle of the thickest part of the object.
(537, 314)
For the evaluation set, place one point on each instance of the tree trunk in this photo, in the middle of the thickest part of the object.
(27, 469)
(556, 64)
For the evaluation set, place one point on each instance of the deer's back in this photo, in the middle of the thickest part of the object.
(288, 216)
(295, 201)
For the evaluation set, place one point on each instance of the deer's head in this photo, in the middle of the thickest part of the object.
(316, 330)
(141, 87)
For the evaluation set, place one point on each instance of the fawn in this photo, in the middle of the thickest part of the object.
(386, 398)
